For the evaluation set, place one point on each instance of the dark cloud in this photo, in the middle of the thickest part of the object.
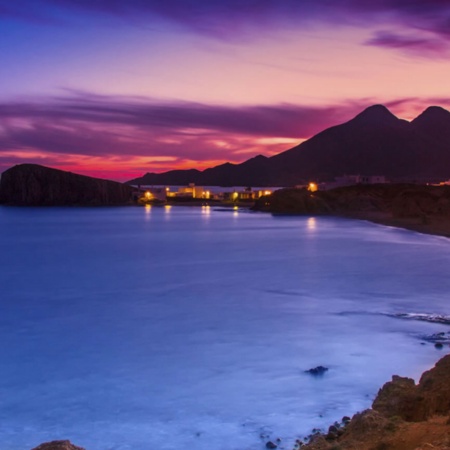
(166, 135)
(284, 120)
(231, 18)
(105, 127)
(430, 47)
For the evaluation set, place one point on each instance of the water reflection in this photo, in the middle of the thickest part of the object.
(148, 210)
(311, 224)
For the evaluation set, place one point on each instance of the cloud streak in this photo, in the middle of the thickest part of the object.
(422, 46)
(226, 18)
(141, 135)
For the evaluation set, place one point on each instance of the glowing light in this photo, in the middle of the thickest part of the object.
(311, 223)
(148, 195)
(267, 192)
(235, 195)
(312, 187)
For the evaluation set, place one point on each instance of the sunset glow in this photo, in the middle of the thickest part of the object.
(116, 92)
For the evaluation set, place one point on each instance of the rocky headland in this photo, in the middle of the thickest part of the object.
(35, 185)
(423, 208)
(404, 416)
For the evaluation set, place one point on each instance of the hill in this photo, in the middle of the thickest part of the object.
(34, 185)
(416, 207)
(375, 142)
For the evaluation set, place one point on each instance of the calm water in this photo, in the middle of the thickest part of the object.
(168, 328)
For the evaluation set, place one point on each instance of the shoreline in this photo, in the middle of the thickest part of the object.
(435, 226)
(404, 415)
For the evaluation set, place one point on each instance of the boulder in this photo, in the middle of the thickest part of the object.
(58, 445)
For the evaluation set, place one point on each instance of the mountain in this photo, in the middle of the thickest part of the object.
(375, 142)
(34, 185)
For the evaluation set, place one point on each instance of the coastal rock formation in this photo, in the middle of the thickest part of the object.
(34, 185)
(404, 416)
(58, 445)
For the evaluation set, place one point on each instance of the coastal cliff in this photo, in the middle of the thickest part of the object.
(404, 416)
(421, 208)
(34, 185)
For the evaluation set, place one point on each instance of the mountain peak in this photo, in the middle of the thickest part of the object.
(433, 113)
(376, 114)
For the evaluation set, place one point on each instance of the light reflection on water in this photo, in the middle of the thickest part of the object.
(120, 327)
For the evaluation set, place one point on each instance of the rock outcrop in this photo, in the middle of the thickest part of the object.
(419, 207)
(34, 185)
(404, 416)
(58, 445)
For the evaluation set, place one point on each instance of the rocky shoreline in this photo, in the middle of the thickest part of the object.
(404, 416)
(422, 208)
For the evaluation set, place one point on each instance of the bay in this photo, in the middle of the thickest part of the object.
(165, 328)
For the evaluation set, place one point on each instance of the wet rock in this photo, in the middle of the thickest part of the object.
(439, 345)
(58, 445)
(332, 429)
(316, 371)
(270, 444)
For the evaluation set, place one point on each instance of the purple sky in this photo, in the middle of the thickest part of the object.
(117, 89)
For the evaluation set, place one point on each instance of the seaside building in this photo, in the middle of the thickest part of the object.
(351, 180)
(190, 191)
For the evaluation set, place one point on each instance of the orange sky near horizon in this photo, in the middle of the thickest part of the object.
(170, 89)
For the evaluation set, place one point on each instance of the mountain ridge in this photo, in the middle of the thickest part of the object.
(374, 142)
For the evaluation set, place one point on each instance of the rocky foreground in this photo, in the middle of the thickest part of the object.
(34, 185)
(421, 208)
(404, 416)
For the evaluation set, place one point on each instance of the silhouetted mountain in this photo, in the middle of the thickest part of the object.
(375, 142)
(34, 185)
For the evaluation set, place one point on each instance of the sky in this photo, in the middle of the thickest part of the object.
(115, 88)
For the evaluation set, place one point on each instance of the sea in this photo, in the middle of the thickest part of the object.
(160, 328)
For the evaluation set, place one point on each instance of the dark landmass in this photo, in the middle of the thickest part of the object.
(375, 142)
(34, 185)
(404, 416)
(58, 445)
(420, 208)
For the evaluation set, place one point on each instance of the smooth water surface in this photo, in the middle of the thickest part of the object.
(167, 328)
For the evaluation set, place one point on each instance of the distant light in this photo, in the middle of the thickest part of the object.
(235, 195)
(236, 208)
(148, 195)
(167, 189)
(267, 192)
(311, 223)
(312, 187)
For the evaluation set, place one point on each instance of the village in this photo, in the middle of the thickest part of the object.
(193, 194)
